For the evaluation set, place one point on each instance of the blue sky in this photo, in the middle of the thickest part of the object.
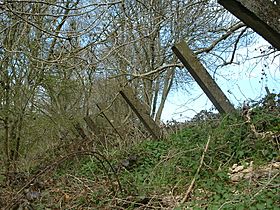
(242, 82)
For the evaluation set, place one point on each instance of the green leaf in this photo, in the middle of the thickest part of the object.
(260, 206)
(240, 207)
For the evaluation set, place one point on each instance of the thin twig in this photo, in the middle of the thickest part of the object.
(225, 203)
(269, 181)
(197, 172)
(231, 30)
(109, 121)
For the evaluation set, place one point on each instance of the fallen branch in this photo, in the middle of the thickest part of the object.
(247, 114)
(197, 172)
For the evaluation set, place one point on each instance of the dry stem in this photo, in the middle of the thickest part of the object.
(197, 172)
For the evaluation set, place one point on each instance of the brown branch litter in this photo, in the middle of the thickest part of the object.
(55, 164)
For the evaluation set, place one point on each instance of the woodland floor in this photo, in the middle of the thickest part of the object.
(226, 162)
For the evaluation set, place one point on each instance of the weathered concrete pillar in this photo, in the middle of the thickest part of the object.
(202, 77)
(141, 112)
(262, 16)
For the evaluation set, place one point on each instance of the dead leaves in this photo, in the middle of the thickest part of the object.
(247, 171)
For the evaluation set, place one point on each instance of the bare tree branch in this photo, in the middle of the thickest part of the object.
(231, 30)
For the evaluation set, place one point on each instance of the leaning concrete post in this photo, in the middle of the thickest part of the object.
(202, 77)
(141, 112)
(261, 15)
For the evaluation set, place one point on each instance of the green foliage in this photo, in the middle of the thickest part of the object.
(169, 165)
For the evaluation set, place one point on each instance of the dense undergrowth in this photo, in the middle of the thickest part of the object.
(156, 174)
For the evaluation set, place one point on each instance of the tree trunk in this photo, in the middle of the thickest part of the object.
(166, 88)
